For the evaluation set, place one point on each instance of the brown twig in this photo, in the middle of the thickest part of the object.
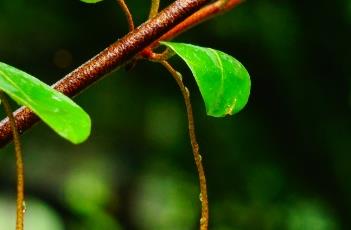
(127, 13)
(142, 38)
(196, 18)
(19, 163)
(195, 147)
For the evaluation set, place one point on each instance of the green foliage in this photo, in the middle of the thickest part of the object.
(58, 111)
(223, 81)
(91, 1)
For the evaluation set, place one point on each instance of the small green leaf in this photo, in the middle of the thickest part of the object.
(223, 81)
(91, 1)
(58, 111)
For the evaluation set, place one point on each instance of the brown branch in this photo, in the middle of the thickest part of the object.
(119, 53)
(202, 15)
(196, 18)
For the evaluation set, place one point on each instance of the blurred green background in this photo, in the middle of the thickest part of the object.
(282, 163)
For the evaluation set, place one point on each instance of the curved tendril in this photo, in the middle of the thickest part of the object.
(195, 146)
(155, 5)
(127, 13)
(20, 207)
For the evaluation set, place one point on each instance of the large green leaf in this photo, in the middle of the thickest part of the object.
(55, 109)
(223, 81)
(91, 1)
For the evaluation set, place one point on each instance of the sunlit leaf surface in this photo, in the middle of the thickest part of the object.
(55, 109)
(223, 81)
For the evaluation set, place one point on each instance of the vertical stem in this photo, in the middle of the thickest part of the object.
(195, 147)
(155, 5)
(19, 163)
(127, 13)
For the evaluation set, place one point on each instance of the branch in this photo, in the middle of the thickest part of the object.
(204, 14)
(116, 55)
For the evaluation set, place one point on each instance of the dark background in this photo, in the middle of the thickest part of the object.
(281, 163)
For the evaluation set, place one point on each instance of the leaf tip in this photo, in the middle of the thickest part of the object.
(84, 133)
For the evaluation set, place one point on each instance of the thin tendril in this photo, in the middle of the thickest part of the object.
(19, 163)
(127, 13)
(155, 5)
(195, 147)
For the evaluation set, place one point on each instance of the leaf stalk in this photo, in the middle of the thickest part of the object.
(19, 163)
(155, 5)
(194, 144)
(127, 13)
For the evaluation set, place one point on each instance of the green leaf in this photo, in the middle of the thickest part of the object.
(58, 111)
(223, 81)
(91, 1)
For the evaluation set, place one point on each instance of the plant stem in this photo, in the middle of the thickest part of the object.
(155, 5)
(19, 163)
(195, 146)
(127, 13)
